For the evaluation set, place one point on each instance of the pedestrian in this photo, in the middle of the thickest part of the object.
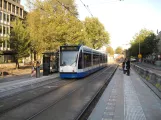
(123, 66)
(33, 71)
(126, 66)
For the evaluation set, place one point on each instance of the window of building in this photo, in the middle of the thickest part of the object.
(0, 15)
(9, 7)
(5, 5)
(4, 30)
(20, 12)
(13, 8)
(0, 3)
(0, 29)
(17, 10)
(12, 18)
(8, 30)
(1, 41)
(4, 17)
(8, 18)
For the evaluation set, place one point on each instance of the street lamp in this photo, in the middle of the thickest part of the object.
(139, 55)
(139, 46)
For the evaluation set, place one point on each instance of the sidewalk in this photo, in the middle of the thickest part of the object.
(15, 86)
(23, 77)
(127, 98)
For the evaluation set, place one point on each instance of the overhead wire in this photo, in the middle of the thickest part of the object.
(87, 8)
(64, 7)
(68, 10)
(102, 2)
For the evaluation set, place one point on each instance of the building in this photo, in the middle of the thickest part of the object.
(159, 43)
(9, 10)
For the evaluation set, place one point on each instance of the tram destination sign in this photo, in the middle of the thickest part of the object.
(69, 48)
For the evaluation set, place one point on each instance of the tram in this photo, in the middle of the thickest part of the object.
(80, 61)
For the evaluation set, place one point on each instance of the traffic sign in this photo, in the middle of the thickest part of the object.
(139, 55)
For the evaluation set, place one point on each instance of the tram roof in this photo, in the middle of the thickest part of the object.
(94, 50)
(86, 48)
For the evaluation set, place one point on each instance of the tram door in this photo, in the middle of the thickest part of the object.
(46, 65)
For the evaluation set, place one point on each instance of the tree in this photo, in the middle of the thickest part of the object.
(110, 50)
(51, 25)
(148, 43)
(95, 33)
(19, 40)
(119, 50)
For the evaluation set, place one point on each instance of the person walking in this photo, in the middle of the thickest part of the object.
(33, 70)
(126, 66)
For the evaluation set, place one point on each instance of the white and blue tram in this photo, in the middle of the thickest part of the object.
(80, 61)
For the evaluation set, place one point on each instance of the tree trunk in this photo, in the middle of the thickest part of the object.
(31, 57)
(17, 64)
(93, 46)
(34, 56)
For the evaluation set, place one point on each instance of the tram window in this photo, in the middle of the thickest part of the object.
(80, 61)
(95, 59)
(101, 58)
(87, 60)
(68, 58)
(104, 58)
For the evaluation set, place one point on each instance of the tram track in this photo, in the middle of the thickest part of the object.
(84, 114)
(12, 89)
(60, 99)
(90, 79)
(31, 93)
(65, 97)
(7, 107)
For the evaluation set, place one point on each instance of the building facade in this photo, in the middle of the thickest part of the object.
(159, 43)
(9, 10)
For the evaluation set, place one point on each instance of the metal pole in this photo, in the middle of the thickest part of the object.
(139, 46)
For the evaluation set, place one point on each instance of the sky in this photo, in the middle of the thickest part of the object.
(122, 19)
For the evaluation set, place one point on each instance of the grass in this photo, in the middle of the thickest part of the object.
(13, 71)
(158, 86)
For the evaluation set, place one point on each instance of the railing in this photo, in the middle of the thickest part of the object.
(151, 77)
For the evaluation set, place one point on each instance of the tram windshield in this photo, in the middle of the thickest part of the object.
(68, 58)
